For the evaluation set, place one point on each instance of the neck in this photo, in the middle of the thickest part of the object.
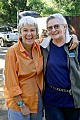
(27, 47)
(29, 50)
(59, 42)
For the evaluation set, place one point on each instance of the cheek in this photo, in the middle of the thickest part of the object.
(63, 32)
(50, 33)
(24, 35)
(34, 34)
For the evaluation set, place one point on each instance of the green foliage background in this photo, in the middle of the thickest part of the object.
(9, 8)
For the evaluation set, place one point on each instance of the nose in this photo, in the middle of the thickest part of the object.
(29, 33)
(53, 29)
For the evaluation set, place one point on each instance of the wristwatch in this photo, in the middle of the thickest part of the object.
(21, 103)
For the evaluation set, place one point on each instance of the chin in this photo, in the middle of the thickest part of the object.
(28, 43)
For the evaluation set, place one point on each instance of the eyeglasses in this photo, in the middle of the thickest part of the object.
(55, 27)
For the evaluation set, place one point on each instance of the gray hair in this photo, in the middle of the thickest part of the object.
(27, 20)
(62, 20)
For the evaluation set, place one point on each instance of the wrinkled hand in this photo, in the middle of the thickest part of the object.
(74, 42)
(25, 110)
(38, 41)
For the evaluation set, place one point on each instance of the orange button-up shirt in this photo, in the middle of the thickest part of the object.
(23, 76)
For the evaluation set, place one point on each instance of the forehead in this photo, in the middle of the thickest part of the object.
(53, 21)
(27, 26)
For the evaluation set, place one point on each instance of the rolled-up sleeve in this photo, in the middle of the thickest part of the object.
(11, 76)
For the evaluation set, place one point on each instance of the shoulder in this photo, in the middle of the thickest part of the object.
(36, 45)
(12, 49)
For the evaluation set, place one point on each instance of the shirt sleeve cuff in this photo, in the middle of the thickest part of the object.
(14, 91)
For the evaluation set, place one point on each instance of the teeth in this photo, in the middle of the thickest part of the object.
(55, 33)
(28, 38)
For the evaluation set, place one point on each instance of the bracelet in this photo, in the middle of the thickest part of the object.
(21, 103)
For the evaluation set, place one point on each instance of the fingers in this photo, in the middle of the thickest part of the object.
(39, 40)
(70, 44)
(73, 43)
(25, 110)
(73, 46)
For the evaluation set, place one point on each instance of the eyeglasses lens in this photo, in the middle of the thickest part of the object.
(55, 27)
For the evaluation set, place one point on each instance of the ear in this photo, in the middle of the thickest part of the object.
(65, 26)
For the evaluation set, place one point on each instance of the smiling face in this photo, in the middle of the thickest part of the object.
(55, 29)
(28, 33)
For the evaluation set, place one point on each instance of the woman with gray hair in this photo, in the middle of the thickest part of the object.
(24, 74)
(62, 72)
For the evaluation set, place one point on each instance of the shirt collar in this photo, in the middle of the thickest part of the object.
(22, 49)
